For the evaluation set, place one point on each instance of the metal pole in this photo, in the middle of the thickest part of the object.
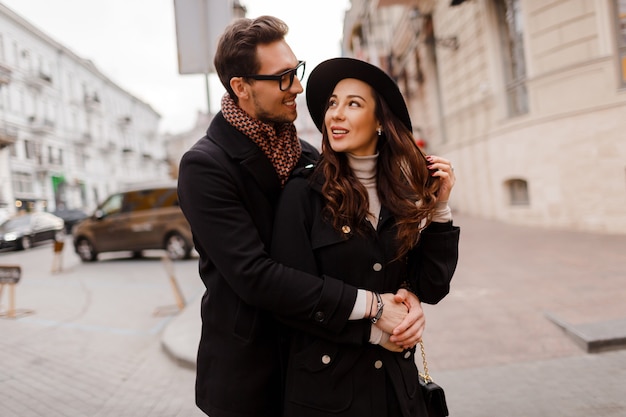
(208, 96)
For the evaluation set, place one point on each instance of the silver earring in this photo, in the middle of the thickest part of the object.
(379, 131)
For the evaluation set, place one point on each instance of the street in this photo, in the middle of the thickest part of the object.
(86, 341)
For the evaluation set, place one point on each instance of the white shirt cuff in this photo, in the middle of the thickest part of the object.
(360, 306)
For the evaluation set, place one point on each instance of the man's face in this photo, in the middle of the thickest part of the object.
(266, 101)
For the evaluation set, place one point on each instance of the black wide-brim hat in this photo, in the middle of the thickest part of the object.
(327, 74)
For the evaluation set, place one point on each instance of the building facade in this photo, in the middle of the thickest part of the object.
(68, 135)
(526, 97)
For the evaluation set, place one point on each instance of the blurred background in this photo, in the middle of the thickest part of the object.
(526, 97)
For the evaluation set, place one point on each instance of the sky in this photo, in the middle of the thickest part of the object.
(133, 43)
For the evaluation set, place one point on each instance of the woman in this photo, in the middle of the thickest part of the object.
(374, 208)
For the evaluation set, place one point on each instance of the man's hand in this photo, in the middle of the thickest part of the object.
(389, 345)
(408, 333)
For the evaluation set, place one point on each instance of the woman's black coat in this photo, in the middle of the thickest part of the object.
(341, 375)
(228, 191)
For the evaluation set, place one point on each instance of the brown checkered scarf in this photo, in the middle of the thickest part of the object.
(279, 143)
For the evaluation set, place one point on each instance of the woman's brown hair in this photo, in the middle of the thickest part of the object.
(405, 185)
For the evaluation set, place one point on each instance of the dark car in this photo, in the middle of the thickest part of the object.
(25, 230)
(135, 220)
(70, 217)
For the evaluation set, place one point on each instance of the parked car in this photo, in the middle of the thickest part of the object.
(135, 220)
(25, 230)
(70, 217)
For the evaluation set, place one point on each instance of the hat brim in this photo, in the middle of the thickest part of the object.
(326, 75)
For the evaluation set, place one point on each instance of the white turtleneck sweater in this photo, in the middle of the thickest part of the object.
(364, 168)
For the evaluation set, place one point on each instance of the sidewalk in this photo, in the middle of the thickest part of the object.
(534, 324)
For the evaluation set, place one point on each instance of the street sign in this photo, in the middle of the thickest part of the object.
(10, 274)
(199, 24)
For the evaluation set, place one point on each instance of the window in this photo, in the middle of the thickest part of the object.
(620, 14)
(518, 192)
(29, 148)
(22, 182)
(511, 28)
(113, 205)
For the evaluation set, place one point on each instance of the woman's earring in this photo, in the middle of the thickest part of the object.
(379, 131)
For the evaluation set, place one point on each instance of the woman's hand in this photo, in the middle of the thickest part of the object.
(445, 172)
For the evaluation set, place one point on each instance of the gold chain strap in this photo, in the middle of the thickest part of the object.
(425, 375)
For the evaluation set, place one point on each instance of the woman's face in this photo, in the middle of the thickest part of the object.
(351, 120)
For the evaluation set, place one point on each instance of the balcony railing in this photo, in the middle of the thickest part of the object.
(5, 74)
(38, 80)
(8, 136)
(40, 126)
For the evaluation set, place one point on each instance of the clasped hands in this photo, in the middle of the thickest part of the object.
(402, 319)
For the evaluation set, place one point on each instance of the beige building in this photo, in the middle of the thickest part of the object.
(526, 97)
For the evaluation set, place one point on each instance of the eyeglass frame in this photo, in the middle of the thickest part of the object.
(279, 77)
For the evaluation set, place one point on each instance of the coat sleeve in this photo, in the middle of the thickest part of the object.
(291, 245)
(431, 264)
(227, 239)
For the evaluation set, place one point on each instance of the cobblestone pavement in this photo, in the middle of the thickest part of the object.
(86, 342)
(490, 343)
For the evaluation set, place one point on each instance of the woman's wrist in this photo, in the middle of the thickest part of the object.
(443, 213)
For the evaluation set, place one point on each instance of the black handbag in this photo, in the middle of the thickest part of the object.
(433, 394)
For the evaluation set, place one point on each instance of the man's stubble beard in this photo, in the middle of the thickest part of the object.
(269, 118)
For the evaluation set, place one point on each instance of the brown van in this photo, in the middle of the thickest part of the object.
(135, 220)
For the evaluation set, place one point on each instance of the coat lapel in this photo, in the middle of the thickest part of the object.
(240, 148)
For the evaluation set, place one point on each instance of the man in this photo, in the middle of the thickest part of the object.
(229, 183)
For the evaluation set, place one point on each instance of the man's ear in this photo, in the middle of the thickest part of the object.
(240, 87)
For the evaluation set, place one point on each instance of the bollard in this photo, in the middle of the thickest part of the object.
(9, 276)
(180, 301)
(57, 258)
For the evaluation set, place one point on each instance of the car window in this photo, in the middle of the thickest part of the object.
(166, 197)
(19, 221)
(112, 205)
(149, 199)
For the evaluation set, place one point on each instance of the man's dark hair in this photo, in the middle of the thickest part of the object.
(236, 48)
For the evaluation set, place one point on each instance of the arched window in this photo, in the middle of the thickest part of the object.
(518, 192)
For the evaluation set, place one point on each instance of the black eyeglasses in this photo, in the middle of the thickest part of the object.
(285, 79)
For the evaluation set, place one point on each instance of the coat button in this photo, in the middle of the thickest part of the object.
(346, 229)
(407, 354)
(325, 359)
(377, 267)
(378, 364)
(319, 317)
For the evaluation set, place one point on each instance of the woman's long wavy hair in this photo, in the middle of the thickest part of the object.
(405, 186)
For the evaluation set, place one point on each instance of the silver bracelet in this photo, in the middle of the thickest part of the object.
(379, 305)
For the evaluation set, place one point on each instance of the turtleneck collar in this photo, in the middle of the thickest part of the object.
(364, 167)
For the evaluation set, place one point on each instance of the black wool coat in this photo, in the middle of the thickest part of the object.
(228, 191)
(340, 375)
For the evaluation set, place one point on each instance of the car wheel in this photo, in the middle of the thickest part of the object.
(85, 250)
(25, 243)
(177, 247)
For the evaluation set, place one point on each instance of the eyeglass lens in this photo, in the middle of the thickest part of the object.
(287, 79)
